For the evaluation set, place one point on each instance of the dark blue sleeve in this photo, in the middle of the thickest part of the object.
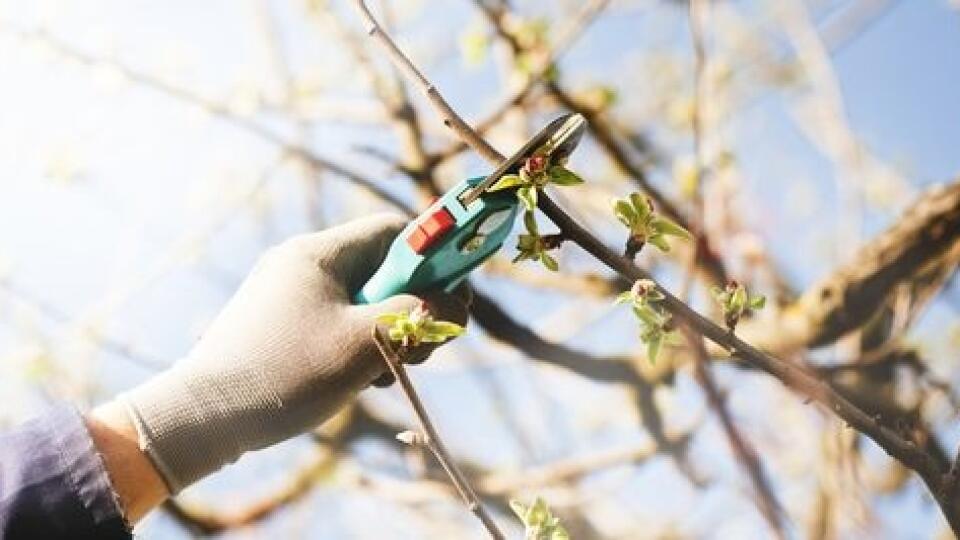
(53, 483)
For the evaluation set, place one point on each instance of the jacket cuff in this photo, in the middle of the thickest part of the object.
(84, 470)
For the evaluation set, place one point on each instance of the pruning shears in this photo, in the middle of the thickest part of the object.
(465, 226)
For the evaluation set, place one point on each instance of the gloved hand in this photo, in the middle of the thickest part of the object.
(286, 352)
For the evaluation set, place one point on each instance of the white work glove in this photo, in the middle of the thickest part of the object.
(286, 352)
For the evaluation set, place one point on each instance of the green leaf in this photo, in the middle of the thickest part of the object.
(757, 302)
(665, 226)
(527, 242)
(738, 300)
(623, 298)
(390, 318)
(528, 196)
(717, 293)
(530, 222)
(660, 242)
(507, 181)
(537, 514)
(625, 212)
(653, 346)
(419, 326)
(539, 522)
(549, 261)
(647, 315)
(522, 256)
(443, 329)
(641, 206)
(562, 176)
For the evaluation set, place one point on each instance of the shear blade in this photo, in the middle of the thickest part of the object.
(559, 139)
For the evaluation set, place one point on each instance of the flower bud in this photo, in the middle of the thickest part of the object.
(411, 438)
(536, 164)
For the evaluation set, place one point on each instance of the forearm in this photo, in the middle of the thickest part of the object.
(131, 472)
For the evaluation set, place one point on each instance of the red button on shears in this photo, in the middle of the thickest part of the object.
(431, 229)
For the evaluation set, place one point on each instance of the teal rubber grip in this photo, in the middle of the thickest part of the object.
(477, 233)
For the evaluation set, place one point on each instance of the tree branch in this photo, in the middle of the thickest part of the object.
(450, 118)
(789, 374)
(432, 438)
(923, 241)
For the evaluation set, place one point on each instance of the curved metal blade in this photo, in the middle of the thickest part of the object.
(557, 140)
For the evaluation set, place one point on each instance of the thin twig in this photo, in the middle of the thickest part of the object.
(432, 438)
(450, 118)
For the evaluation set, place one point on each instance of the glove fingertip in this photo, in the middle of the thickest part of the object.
(447, 306)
